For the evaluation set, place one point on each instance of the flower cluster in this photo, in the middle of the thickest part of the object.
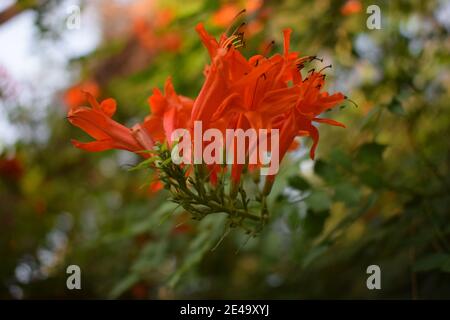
(238, 93)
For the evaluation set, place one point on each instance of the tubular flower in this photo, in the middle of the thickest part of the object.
(96, 121)
(228, 12)
(261, 92)
(238, 94)
(169, 111)
(74, 96)
(351, 7)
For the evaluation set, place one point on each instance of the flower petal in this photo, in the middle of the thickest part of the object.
(109, 106)
(330, 122)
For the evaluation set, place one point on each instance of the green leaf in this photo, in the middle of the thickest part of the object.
(312, 224)
(347, 193)
(446, 266)
(395, 106)
(371, 118)
(371, 178)
(298, 182)
(151, 256)
(318, 201)
(341, 158)
(293, 219)
(370, 153)
(432, 262)
(326, 170)
(125, 284)
(313, 254)
(210, 229)
(145, 164)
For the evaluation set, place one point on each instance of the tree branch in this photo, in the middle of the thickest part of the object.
(15, 9)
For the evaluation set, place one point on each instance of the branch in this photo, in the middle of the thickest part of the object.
(15, 9)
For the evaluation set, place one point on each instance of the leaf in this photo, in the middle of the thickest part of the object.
(298, 182)
(151, 256)
(313, 254)
(145, 164)
(347, 193)
(312, 224)
(318, 201)
(294, 219)
(446, 266)
(146, 224)
(153, 220)
(370, 153)
(125, 284)
(372, 118)
(341, 158)
(210, 229)
(371, 178)
(326, 171)
(432, 262)
(395, 106)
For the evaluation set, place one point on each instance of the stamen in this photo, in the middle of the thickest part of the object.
(326, 67)
(347, 98)
(238, 28)
(234, 20)
(229, 41)
(300, 66)
(239, 41)
(236, 40)
(268, 48)
(306, 59)
(300, 62)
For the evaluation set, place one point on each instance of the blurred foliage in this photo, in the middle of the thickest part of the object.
(376, 194)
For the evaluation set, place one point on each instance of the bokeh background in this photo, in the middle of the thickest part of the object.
(378, 192)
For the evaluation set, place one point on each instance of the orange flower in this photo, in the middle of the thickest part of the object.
(109, 134)
(238, 93)
(256, 93)
(168, 112)
(228, 11)
(153, 34)
(351, 7)
(74, 96)
(155, 186)
(225, 15)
